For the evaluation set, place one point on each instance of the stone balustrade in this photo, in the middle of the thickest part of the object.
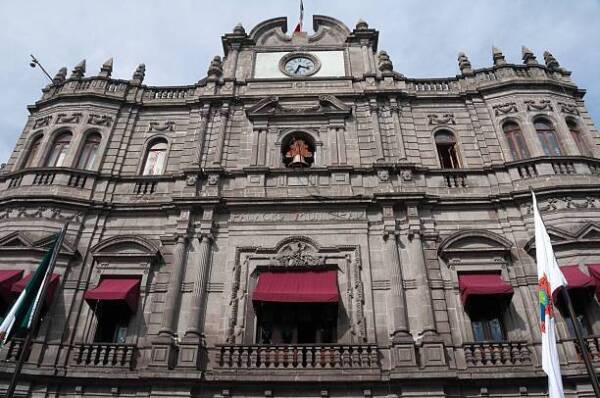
(505, 353)
(316, 356)
(105, 355)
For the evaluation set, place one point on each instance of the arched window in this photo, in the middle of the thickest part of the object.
(58, 152)
(445, 143)
(515, 140)
(34, 148)
(89, 152)
(578, 137)
(298, 150)
(547, 137)
(156, 157)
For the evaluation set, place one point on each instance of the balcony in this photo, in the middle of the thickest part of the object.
(308, 360)
(494, 354)
(105, 355)
(11, 351)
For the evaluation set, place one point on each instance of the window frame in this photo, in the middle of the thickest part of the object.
(33, 151)
(452, 149)
(513, 134)
(149, 151)
(543, 135)
(578, 137)
(85, 153)
(59, 149)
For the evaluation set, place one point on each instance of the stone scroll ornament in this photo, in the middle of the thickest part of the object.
(99, 120)
(543, 105)
(63, 118)
(167, 125)
(298, 154)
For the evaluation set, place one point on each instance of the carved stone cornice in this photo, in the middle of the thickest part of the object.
(325, 106)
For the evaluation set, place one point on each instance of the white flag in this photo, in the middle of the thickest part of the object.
(550, 278)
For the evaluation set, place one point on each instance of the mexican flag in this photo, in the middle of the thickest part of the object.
(20, 316)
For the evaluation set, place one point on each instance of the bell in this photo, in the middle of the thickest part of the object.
(298, 161)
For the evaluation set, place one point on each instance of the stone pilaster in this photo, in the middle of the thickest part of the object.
(224, 113)
(400, 330)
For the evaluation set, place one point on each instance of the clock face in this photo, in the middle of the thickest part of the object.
(300, 66)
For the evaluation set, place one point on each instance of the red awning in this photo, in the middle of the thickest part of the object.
(577, 279)
(126, 290)
(595, 273)
(297, 287)
(22, 284)
(7, 279)
(480, 284)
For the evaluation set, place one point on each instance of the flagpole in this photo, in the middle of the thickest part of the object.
(36, 313)
(582, 344)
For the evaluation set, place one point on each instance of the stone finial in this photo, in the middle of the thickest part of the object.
(528, 57)
(464, 64)
(498, 57)
(139, 74)
(79, 70)
(239, 29)
(106, 69)
(551, 62)
(362, 25)
(385, 63)
(215, 69)
(60, 76)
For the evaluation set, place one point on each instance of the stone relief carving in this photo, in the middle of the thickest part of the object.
(42, 122)
(553, 204)
(308, 216)
(383, 174)
(406, 175)
(167, 125)
(213, 179)
(570, 109)
(298, 254)
(73, 118)
(543, 105)
(505, 109)
(99, 120)
(38, 212)
(190, 180)
(441, 120)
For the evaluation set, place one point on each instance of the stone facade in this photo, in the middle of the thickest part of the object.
(375, 205)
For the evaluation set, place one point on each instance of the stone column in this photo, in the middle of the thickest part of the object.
(169, 319)
(194, 328)
(415, 253)
(395, 111)
(224, 116)
(374, 108)
(398, 302)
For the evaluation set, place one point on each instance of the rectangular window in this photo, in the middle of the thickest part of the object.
(486, 313)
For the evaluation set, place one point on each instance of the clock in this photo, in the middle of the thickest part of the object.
(299, 65)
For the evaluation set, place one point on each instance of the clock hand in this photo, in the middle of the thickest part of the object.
(298, 69)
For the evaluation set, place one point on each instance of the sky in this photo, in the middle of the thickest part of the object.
(176, 39)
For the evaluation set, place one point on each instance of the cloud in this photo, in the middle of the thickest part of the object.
(177, 39)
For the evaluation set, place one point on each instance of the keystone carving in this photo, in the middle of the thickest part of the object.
(168, 125)
(383, 174)
(505, 109)
(570, 109)
(99, 120)
(298, 254)
(42, 122)
(543, 105)
(441, 120)
(63, 118)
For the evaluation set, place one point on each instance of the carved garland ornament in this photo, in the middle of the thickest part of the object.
(505, 109)
(441, 120)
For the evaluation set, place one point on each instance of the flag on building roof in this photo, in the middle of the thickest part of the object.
(550, 278)
(299, 26)
(20, 316)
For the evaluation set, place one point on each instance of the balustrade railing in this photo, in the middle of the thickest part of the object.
(455, 179)
(105, 355)
(44, 178)
(13, 349)
(506, 353)
(297, 356)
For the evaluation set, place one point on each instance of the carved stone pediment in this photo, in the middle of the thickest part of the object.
(474, 245)
(129, 246)
(298, 254)
(323, 106)
(588, 236)
(18, 240)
